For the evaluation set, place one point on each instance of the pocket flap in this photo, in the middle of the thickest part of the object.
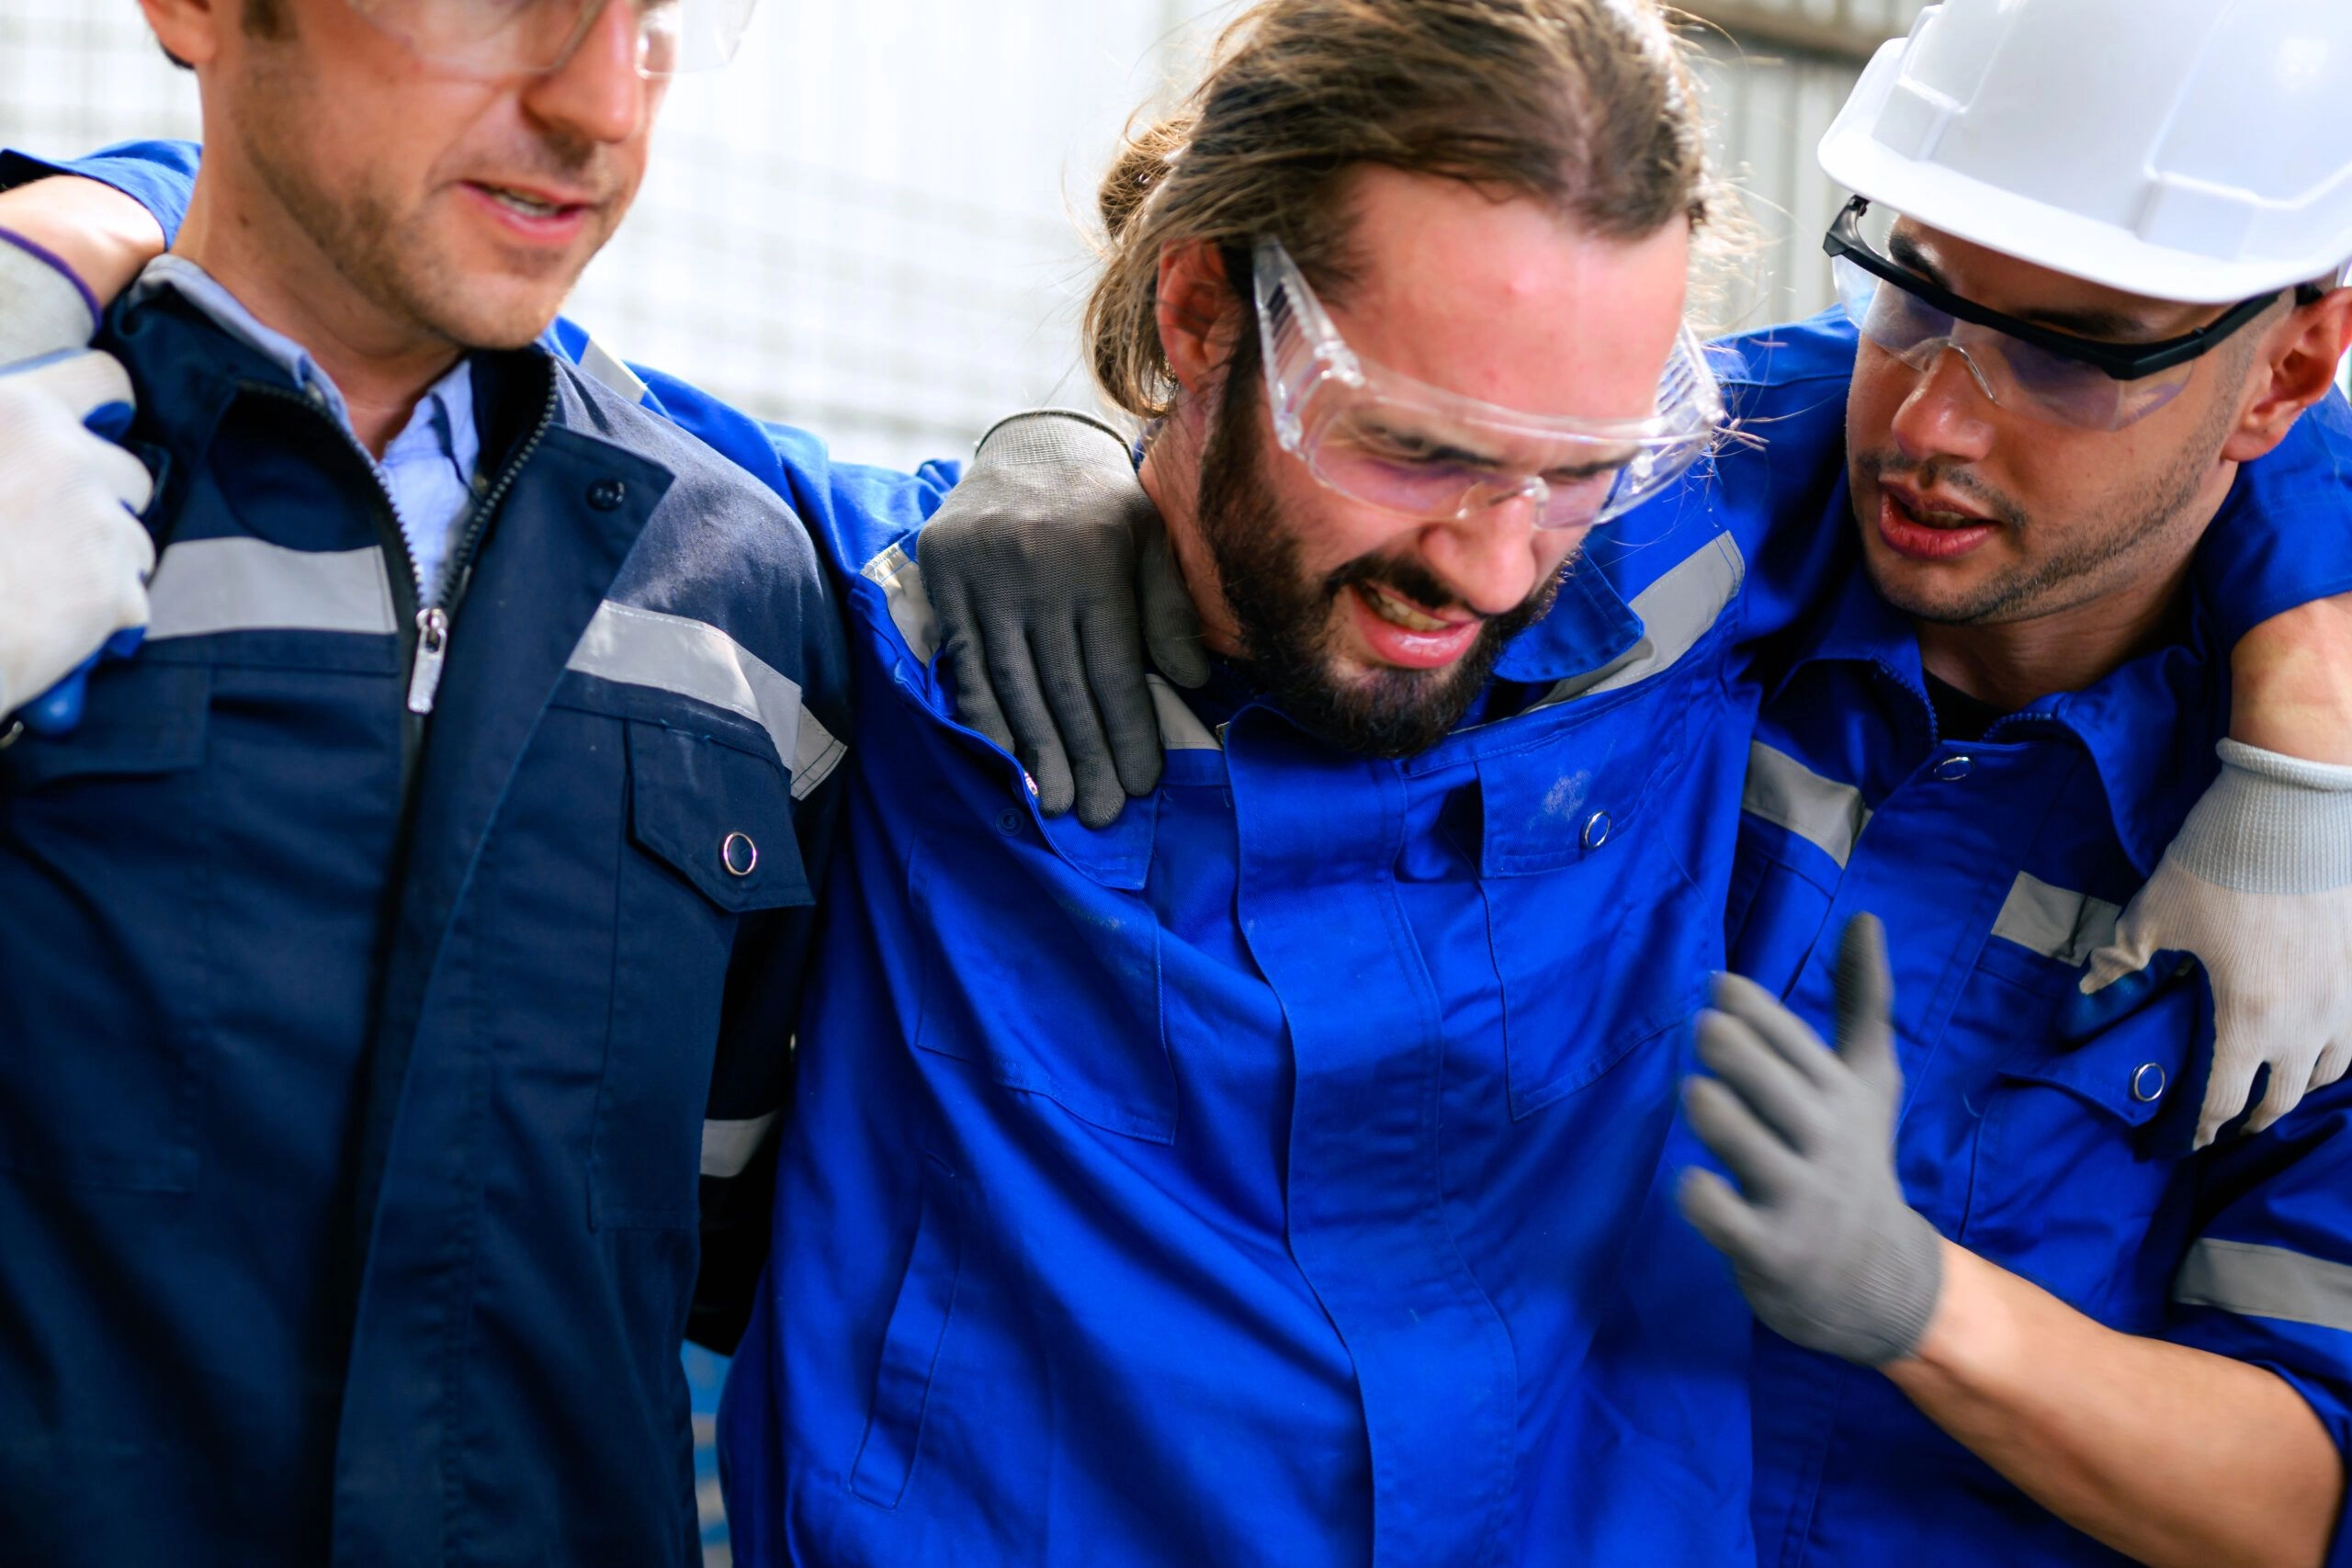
(720, 817)
(142, 717)
(1545, 808)
(2140, 1066)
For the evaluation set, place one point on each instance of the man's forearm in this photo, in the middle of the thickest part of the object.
(2292, 684)
(102, 234)
(2168, 1454)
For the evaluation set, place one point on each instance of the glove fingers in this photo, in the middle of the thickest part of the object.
(1171, 627)
(1766, 1167)
(84, 383)
(1012, 673)
(1790, 1037)
(1720, 1215)
(2127, 954)
(2225, 1095)
(1115, 670)
(1077, 729)
(2332, 1064)
(967, 650)
(1865, 1002)
(2280, 1096)
(1739, 1058)
(127, 481)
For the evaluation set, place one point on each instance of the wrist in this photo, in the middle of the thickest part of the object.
(1970, 1331)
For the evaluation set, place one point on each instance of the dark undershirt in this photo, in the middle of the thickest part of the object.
(1960, 716)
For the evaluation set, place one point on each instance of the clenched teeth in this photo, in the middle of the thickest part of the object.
(1395, 611)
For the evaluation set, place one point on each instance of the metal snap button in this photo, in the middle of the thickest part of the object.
(606, 495)
(2148, 1083)
(1951, 770)
(1596, 829)
(1007, 822)
(739, 854)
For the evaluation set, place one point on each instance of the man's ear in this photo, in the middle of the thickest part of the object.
(1200, 314)
(190, 30)
(2297, 367)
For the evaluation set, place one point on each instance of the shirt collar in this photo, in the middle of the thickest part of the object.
(442, 426)
(2149, 726)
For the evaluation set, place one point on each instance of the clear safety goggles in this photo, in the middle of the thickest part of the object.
(1383, 438)
(2018, 364)
(536, 38)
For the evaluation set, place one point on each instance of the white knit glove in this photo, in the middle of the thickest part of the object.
(2258, 885)
(74, 556)
(44, 308)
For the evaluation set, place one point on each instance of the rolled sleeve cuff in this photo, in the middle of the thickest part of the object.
(158, 175)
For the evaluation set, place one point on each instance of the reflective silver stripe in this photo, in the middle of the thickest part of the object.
(599, 366)
(901, 583)
(728, 1146)
(206, 586)
(2056, 922)
(1179, 728)
(694, 658)
(1821, 811)
(2266, 1281)
(1676, 611)
(818, 755)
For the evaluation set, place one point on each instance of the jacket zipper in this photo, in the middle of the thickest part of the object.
(424, 634)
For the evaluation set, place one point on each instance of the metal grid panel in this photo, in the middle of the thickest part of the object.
(1777, 74)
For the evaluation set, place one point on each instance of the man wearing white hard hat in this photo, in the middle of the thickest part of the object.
(2028, 1291)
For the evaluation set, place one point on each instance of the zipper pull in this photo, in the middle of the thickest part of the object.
(432, 651)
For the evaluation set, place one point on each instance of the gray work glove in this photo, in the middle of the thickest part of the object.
(1049, 572)
(2258, 885)
(1822, 1243)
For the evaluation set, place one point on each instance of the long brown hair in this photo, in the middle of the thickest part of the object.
(1588, 106)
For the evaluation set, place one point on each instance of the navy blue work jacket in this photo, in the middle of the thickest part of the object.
(1275, 1175)
(359, 1072)
(2048, 1133)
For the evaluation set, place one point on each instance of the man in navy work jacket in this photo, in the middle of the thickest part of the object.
(400, 932)
(2019, 1302)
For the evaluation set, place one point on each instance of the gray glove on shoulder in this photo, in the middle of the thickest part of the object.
(1823, 1247)
(1049, 573)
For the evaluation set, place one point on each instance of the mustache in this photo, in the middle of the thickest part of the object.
(1406, 577)
(555, 159)
(1938, 473)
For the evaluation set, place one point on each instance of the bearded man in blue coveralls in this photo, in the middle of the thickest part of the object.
(1256, 1171)
(1243, 1181)
(1988, 732)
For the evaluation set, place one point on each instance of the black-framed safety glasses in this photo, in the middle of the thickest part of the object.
(2017, 364)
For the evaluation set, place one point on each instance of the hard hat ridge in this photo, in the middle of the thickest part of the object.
(2186, 150)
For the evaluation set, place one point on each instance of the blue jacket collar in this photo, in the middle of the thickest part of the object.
(2149, 726)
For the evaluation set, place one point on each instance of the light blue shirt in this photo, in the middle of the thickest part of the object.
(428, 470)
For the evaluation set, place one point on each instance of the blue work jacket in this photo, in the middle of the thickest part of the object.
(2046, 1131)
(360, 1070)
(1275, 1175)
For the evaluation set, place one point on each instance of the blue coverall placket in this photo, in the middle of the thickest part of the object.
(1320, 834)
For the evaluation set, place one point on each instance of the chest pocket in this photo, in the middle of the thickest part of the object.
(2080, 1148)
(711, 846)
(998, 985)
(1579, 827)
(106, 872)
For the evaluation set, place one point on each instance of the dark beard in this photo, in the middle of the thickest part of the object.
(1289, 623)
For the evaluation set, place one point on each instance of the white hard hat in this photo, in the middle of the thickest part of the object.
(2198, 150)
